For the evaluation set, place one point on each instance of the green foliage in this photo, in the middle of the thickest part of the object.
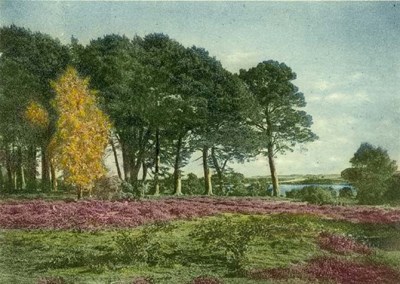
(392, 195)
(193, 185)
(314, 195)
(371, 173)
(234, 236)
(278, 118)
(346, 192)
(145, 247)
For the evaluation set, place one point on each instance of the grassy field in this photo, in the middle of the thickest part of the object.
(224, 248)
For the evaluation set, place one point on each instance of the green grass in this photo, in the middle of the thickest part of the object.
(94, 257)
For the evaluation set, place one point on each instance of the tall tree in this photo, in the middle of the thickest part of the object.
(279, 120)
(28, 63)
(114, 64)
(82, 132)
(371, 173)
(222, 102)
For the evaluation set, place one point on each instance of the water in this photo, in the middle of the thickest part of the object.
(289, 187)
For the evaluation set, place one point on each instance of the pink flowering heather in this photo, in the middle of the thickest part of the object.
(331, 270)
(341, 244)
(346, 272)
(92, 214)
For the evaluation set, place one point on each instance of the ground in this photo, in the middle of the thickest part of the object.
(197, 240)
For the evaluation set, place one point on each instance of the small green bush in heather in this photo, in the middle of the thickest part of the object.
(314, 195)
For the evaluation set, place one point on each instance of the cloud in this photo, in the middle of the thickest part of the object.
(235, 60)
(323, 85)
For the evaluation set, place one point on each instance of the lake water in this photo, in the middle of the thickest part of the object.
(289, 187)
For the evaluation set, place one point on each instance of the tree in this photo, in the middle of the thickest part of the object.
(28, 62)
(82, 132)
(280, 122)
(371, 173)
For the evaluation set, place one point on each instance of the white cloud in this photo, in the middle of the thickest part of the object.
(323, 85)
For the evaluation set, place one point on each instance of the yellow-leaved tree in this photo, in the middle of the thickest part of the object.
(82, 132)
(37, 115)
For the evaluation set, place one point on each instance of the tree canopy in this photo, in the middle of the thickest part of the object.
(279, 120)
(371, 173)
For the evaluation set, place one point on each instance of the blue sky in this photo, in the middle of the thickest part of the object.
(346, 56)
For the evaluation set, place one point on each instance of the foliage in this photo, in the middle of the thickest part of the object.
(278, 118)
(371, 173)
(193, 185)
(314, 195)
(392, 195)
(346, 192)
(146, 246)
(37, 115)
(82, 131)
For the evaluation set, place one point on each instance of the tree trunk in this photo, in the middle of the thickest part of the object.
(79, 193)
(207, 173)
(218, 170)
(20, 175)
(157, 164)
(126, 162)
(1, 178)
(274, 176)
(31, 167)
(177, 171)
(144, 171)
(54, 185)
(45, 169)
(115, 158)
(9, 168)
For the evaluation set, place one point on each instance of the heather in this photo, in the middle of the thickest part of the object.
(341, 244)
(225, 248)
(331, 270)
(94, 214)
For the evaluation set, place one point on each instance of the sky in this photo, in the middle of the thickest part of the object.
(346, 56)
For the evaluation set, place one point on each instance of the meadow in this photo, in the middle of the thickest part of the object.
(197, 240)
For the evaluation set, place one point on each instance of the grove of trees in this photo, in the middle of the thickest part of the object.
(157, 102)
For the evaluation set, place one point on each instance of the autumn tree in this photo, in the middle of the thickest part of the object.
(279, 119)
(82, 132)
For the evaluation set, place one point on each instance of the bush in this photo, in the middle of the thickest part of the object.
(193, 185)
(346, 192)
(392, 195)
(314, 195)
(145, 247)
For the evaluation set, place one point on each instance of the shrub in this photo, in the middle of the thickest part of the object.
(106, 188)
(145, 247)
(193, 185)
(392, 195)
(314, 195)
(346, 192)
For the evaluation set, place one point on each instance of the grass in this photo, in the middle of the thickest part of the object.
(177, 256)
